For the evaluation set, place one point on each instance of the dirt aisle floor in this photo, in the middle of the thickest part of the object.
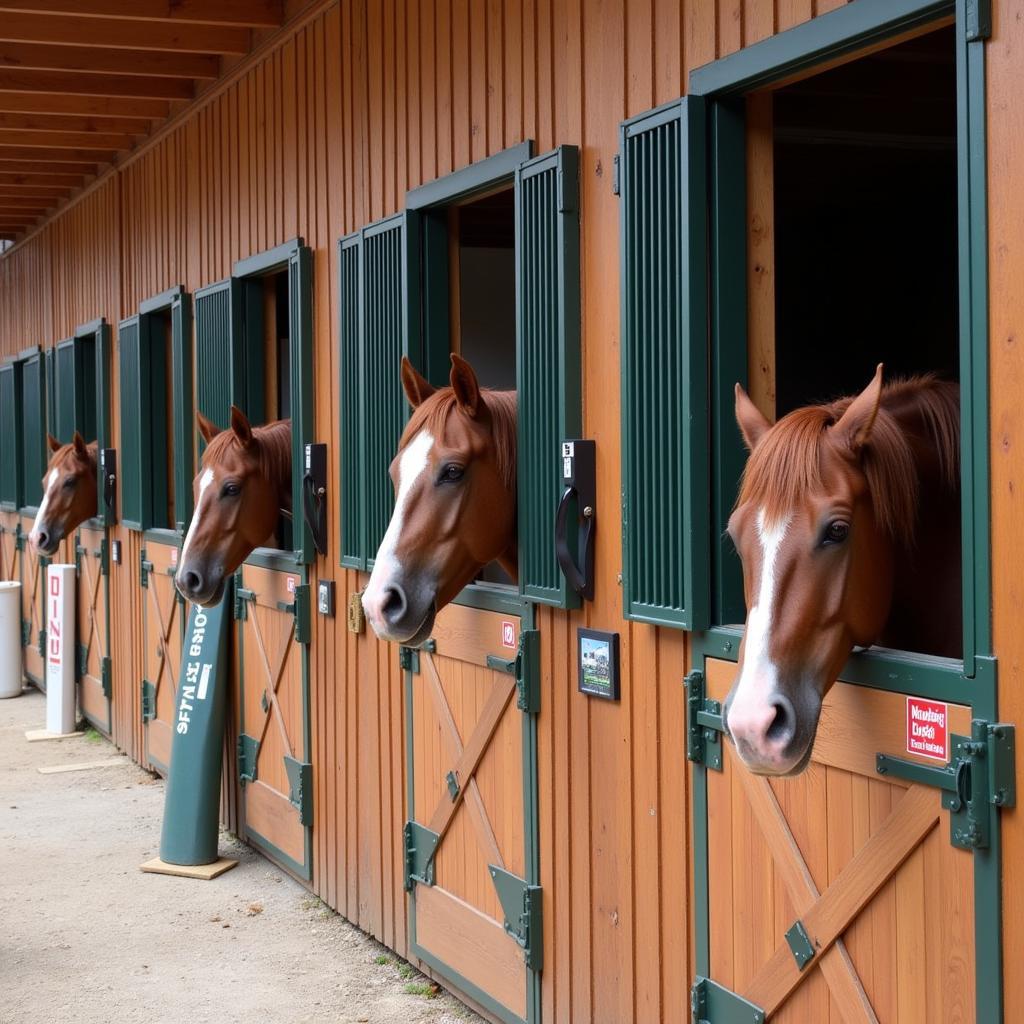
(86, 938)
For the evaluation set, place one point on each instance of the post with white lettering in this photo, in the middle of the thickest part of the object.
(60, 649)
(192, 802)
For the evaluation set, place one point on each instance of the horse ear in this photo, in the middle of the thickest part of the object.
(53, 443)
(752, 422)
(465, 386)
(240, 426)
(81, 448)
(416, 387)
(854, 426)
(207, 428)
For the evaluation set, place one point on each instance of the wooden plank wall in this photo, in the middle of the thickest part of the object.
(325, 134)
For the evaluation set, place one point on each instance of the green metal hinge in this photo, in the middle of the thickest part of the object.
(242, 596)
(979, 776)
(420, 844)
(19, 539)
(300, 788)
(616, 180)
(26, 632)
(82, 660)
(409, 657)
(104, 557)
(105, 676)
(704, 725)
(79, 551)
(145, 568)
(299, 607)
(41, 643)
(247, 750)
(525, 666)
(522, 904)
(710, 1003)
(148, 701)
(978, 19)
(800, 945)
(452, 781)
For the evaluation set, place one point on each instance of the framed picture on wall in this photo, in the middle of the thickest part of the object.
(598, 657)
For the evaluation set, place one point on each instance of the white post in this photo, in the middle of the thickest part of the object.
(10, 639)
(60, 649)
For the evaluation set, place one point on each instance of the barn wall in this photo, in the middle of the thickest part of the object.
(325, 134)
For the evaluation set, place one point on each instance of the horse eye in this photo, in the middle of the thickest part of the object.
(451, 473)
(836, 532)
(230, 490)
(69, 483)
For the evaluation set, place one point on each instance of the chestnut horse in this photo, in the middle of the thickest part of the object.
(69, 492)
(455, 502)
(244, 483)
(848, 527)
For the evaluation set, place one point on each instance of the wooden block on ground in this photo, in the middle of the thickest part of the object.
(35, 735)
(204, 871)
(83, 766)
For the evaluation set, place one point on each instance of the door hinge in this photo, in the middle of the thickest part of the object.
(19, 539)
(41, 643)
(300, 788)
(26, 632)
(522, 904)
(242, 596)
(148, 701)
(82, 660)
(299, 607)
(710, 1003)
(979, 777)
(420, 844)
(409, 657)
(800, 945)
(525, 666)
(704, 725)
(616, 182)
(104, 557)
(145, 568)
(978, 20)
(105, 676)
(79, 551)
(247, 750)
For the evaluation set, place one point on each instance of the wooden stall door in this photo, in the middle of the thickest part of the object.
(163, 624)
(274, 758)
(10, 547)
(33, 607)
(856, 859)
(92, 666)
(466, 843)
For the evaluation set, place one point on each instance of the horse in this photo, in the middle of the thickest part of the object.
(847, 523)
(69, 492)
(243, 484)
(454, 476)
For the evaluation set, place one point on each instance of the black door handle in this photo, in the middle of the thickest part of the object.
(579, 476)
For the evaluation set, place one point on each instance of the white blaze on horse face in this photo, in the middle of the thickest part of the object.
(204, 482)
(41, 511)
(386, 566)
(751, 711)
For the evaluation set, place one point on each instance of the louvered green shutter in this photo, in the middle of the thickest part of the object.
(50, 395)
(665, 465)
(62, 414)
(350, 362)
(300, 330)
(33, 408)
(101, 376)
(134, 369)
(220, 352)
(10, 426)
(547, 358)
(181, 389)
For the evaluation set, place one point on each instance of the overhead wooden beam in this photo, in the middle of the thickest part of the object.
(42, 57)
(40, 157)
(12, 203)
(251, 13)
(32, 167)
(33, 191)
(101, 106)
(87, 84)
(75, 123)
(131, 35)
(30, 179)
(105, 141)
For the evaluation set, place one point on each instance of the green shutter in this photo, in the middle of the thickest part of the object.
(10, 427)
(50, 393)
(33, 412)
(300, 330)
(350, 252)
(220, 352)
(62, 411)
(181, 363)
(133, 364)
(665, 501)
(547, 358)
(101, 377)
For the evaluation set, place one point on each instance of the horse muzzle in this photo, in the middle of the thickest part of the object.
(46, 541)
(398, 615)
(774, 736)
(204, 589)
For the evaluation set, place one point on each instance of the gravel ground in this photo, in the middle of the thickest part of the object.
(86, 938)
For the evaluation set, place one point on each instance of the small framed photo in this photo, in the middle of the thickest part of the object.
(598, 663)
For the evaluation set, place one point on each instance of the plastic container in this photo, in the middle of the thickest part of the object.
(10, 639)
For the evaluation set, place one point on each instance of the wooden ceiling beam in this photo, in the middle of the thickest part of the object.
(249, 13)
(41, 157)
(41, 57)
(89, 84)
(107, 142)
(87, 106)
(79, 169)
(33, 191)
(30, 179)
(75, 123)
(67, 30)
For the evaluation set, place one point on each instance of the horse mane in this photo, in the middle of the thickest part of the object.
(433, 414)
(273, 452)
(787, 463)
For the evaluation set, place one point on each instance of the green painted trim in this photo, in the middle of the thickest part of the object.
(484, 174)
(158, 536)
(92, 327)
(162, 302)
(842, 31)
(273, 558)
(493, 598)
(183, 416)
(28, 353)
(264, 262)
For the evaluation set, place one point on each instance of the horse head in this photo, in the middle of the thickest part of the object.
(455, 502)
(243, 484)
(69, 492)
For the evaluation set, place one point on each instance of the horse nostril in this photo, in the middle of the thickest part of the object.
(193, 581)
(783, 725)
(394, 605)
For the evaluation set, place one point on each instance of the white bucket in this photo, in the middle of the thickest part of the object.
(10, 639)
(60, 649)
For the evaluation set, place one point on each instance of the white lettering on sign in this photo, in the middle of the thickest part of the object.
(568, 449)
(204, 682)
(928, 728)
(508, 634)
(54, 622)
(292, 583)
(197, 673)
(567, 468)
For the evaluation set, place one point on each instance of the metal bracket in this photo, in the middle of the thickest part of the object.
(145, 568)
(977, 20)
(26, 632)
(616, 179)
(800, 945)
(453, 785)
(409, 657)
(522, 905)
(82, 660)
(148, 701)
(704, 725)
(242, 595)
(300, 788)
(247, 751)
(104, 557)
(41, 643)
(105, 676)
(525, 666)
(420, 844)
(710, 1003)
(300, 609)
(979, 776)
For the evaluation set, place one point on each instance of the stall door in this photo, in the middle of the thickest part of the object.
(838, 895)
(471, 855)
(274, 729)
(163, 618)
(33, 606)
(10, 546)
(93, 599)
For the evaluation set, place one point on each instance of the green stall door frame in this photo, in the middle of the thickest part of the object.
(33, 420)
(11, 466)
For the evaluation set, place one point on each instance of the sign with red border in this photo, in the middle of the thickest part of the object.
(508, 634)
(928, 728)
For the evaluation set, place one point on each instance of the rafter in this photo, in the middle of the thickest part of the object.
(89, 84)
(42, 57)
(252, 13)
(131, 35)
(105, 141)
(30, 203)
(32, 191)
(102, 106)
(18, 165)
(42, 156)
(30, 179)
(75, 123)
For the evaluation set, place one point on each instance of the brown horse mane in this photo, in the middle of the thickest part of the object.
(433, 414)
(787, 464)
(273, 452)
